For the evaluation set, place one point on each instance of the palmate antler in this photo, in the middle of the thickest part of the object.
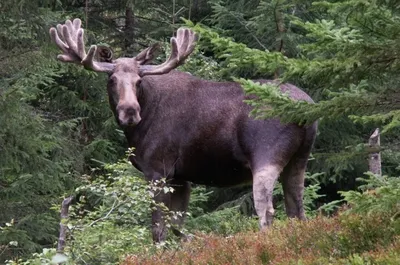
(182, 46)
(69, 38)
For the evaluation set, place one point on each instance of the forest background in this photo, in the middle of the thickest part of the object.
(58, 137)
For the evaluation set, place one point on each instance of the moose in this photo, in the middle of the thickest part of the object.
(190, 130)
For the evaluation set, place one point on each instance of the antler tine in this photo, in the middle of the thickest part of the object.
(89, 63)
(182, 39)
(182, 46)
(69, 38)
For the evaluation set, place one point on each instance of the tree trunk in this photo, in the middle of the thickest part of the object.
(374, 159)
(280, 29)
(129, 29)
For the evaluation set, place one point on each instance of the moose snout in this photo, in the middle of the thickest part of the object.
(128, 115)
(130, 111)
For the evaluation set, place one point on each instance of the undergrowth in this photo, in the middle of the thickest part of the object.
(344, 239)
(365, 232)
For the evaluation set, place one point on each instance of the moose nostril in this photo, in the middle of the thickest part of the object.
(130, 111)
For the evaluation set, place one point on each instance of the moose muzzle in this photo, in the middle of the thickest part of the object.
(128, 114)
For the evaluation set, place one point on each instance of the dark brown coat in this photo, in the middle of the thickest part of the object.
(189, 130)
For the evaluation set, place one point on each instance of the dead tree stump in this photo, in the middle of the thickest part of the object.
(374, 159)
(63, 225)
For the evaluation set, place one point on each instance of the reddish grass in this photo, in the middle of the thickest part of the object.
(317, 241)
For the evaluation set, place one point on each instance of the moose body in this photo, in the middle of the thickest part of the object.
(200, 131)
(190, 130)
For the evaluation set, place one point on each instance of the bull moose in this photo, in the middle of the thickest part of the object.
(190, 130)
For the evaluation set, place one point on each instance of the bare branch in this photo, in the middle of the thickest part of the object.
(113, 207)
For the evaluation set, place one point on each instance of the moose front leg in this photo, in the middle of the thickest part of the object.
(161, 206)
(176, 201)
(179, 203)
(158, 223)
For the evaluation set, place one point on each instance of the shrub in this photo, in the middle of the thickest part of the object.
(47, 257)
(377, 194)
(111, 217)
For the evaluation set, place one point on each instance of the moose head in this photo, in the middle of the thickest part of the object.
(124, 74)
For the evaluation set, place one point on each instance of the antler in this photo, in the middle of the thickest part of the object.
(69, 38)
(182, 46)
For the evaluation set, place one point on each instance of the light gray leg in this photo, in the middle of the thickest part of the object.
(264, 179)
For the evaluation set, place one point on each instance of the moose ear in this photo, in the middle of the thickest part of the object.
(104, 54)
(147, 55)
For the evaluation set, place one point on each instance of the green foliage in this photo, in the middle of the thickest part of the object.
(378, 194)
(197, 64)
(41, 155)
(117, 221)
(237, 55)
(264, 25)
(199, 197)
(225, 222)
(38, 161)
(344, 101)
(52, 126)
(202, 66)
(46, 257)
(111, 218)
(271, 103)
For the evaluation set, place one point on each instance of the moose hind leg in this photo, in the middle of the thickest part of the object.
(293, 175)
(179, 203)
(293, 187)
(264, 179)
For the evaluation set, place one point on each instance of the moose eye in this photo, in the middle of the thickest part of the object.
(138, 82)
(111, 81)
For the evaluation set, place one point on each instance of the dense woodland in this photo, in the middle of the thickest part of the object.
(58, 137)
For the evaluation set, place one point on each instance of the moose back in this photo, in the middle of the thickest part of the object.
(190, 130)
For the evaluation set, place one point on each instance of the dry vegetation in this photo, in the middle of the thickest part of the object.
(344, 239)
